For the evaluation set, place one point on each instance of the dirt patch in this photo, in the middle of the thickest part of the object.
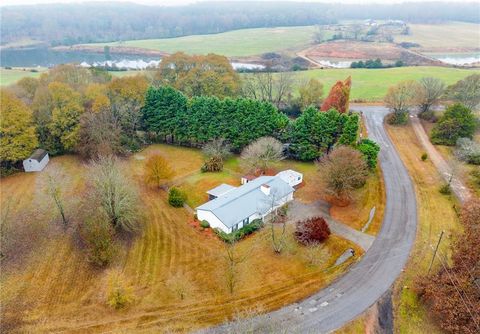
(354, 50)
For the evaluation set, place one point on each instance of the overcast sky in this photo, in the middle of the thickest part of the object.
(183, 2)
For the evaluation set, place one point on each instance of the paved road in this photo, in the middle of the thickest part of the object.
(457, 186)
(301, 211)
(366, 281)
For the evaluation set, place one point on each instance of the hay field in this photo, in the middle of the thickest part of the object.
(54, 289)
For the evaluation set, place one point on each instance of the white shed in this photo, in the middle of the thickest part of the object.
(36, 162)
(293, 178)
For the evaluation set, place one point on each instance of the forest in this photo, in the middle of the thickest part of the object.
(68, 24)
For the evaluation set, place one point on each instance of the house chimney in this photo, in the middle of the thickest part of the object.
(265, 188)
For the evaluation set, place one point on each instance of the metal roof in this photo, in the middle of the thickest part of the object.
(248, 199)
(38, 155)
(221, 190)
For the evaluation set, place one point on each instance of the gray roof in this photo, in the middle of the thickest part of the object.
(38, 155)
(246, 200)
(220, 190)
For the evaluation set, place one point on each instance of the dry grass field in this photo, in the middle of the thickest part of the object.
(435, 213)
(53, 288)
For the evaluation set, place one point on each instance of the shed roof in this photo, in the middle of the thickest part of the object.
(38, 155)
(246, 200)
(221, 190)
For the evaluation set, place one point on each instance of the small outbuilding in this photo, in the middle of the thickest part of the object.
(293, 178)
(36, 162)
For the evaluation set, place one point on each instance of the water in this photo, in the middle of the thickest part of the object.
(460, 59)
(48, 58)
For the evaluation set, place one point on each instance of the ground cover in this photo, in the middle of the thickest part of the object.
(435, 213)
(237, 43)
(10, 76)
(56, 290)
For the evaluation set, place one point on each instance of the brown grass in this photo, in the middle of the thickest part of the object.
(57, 290)
(435, 213)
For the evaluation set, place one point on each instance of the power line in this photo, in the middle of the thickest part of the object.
(458, 290)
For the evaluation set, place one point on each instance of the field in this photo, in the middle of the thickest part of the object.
(445, 37)
(8, 77)
(54, 289)
(237, 43)
(435, 213)
(372, 84)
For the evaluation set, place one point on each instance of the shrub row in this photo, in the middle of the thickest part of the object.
(240, 233)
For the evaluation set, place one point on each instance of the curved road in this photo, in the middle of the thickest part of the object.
(369, 279)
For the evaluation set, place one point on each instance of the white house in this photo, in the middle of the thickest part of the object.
(232, 208)
(292, 177)
(36, 162)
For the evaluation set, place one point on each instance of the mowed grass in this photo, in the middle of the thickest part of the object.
(435, 213)
(444, 36)
(56, 290)
(372, 84)
(244, 42)
(8, 77)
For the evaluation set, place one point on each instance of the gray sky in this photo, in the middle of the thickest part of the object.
(183, 2)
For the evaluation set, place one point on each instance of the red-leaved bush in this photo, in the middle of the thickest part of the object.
(339, 97)
(311, 231)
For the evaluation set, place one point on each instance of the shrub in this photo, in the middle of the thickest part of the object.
(176, 197)
(424, 156)
(468, 151)
(312, 231)
(445, 189)
(240, 233)
(213, 164)
(118, 295)
(400, 118)
(370, 150)
(204, 224)
(97, 234)
(457, 122)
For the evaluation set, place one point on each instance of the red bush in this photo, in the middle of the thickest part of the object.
(311, 231)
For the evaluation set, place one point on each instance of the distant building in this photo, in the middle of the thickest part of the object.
(36, 162)
(230, 208)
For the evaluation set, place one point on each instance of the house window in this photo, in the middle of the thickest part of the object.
(246, 221)
(234, 227)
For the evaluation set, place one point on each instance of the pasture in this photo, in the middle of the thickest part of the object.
(8, 77)
(52, 288)
(236, 43)
(444, 37)
(371, 85)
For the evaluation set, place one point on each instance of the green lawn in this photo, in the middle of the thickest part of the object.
(244, 42)
(8, 77)
(372, 85)
(451, 36)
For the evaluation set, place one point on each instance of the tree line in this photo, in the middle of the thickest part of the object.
(69, 24)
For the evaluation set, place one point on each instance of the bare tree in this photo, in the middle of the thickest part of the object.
(267, 86)
(400, 98)
(216, 152)
(180, 285)
(277, 219)
(54, 190)
(115, 194)
(466, 91)
(262, 153)
(429, 94)
(342, 171)
(233, 257)
(318, 35)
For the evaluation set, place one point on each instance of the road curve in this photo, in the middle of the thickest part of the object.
(353, 293)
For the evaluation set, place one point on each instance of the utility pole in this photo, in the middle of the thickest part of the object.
(435, 252)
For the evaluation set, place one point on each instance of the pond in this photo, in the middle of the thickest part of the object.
(45, 57)
(460, 59)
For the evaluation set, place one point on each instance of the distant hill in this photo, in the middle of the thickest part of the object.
(68, 24)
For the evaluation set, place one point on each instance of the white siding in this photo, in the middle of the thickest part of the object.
(32, 165)
(212, 220)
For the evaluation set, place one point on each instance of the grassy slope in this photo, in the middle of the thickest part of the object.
(244, 42)
(8, 77)
(372, 85)
(435, 213)
(461, 35)
(56, 290)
